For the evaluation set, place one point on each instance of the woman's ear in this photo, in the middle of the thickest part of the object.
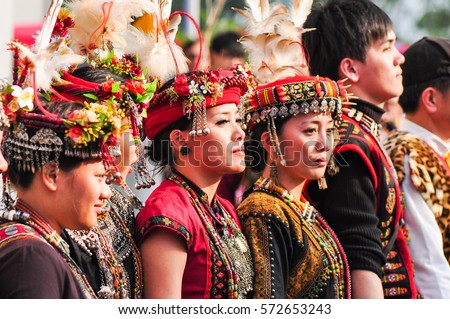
(348, 68)
(178, 139)
(49, 174)
(266, 142)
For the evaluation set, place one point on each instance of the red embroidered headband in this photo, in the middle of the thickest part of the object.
(191, 94)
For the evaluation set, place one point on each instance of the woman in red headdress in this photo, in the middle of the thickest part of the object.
(190, 238)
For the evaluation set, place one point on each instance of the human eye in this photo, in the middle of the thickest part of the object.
(388, 46)
(310, 130)
(222, 122)
(101, 176)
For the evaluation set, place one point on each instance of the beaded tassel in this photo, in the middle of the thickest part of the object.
(143, 178)
(114, 176)
(142, 175)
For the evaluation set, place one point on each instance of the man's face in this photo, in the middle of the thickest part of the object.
(380, 75)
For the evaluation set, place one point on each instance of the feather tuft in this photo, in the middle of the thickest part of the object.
(45, 34)
(49, 61)
(273, 39)
(100, 24)
(300, 11)
(158, 53)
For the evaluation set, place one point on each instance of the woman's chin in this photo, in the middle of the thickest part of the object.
(236, 169)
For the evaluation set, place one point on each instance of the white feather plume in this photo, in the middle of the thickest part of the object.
(98, 26)
(273, 39)
(300, 11)
(155, 55)
(266, 25)
(173, 27)
(158, 53)
(259, 9)
(49, 61)
(45, 34)
(165, 8)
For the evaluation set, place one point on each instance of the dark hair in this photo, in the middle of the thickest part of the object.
(256, 154)
(24, 179)
(343, 28)
(160, 151)
(227, 44)
(409, 100)
(96, 75)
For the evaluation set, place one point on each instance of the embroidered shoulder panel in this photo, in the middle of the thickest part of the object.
(11, 231)
(165, 222)
(308, 267)
(264, 205)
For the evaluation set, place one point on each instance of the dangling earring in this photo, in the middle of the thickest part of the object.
(333, 169)
(274, 140)
(142, 176)
(184, 150)
(274, 172)
(322, 182)
(141, 173)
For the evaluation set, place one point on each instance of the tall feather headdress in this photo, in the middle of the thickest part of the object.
(46, 72)
(285, 87)
(103, 25)
(38, 73)
(273, 39)
(155, 43)
(45, 58)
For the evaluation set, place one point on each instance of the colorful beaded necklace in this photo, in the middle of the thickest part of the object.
(231, 246)
(35, 221)
(319, 231)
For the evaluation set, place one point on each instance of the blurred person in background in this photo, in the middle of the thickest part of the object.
(355, 40)
(226, 51)
(420, 151)
(192, 50)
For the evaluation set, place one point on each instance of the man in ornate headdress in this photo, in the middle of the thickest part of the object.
(421, 155)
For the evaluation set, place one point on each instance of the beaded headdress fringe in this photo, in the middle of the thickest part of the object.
(28, 153)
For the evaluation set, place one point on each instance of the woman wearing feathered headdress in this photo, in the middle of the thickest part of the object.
(67, 128)
(292, 120)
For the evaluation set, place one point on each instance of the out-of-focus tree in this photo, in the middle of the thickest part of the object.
(430, 17)
(412, 19)
(215, 16)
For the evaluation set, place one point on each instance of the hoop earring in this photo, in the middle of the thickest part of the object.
(184, 150)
